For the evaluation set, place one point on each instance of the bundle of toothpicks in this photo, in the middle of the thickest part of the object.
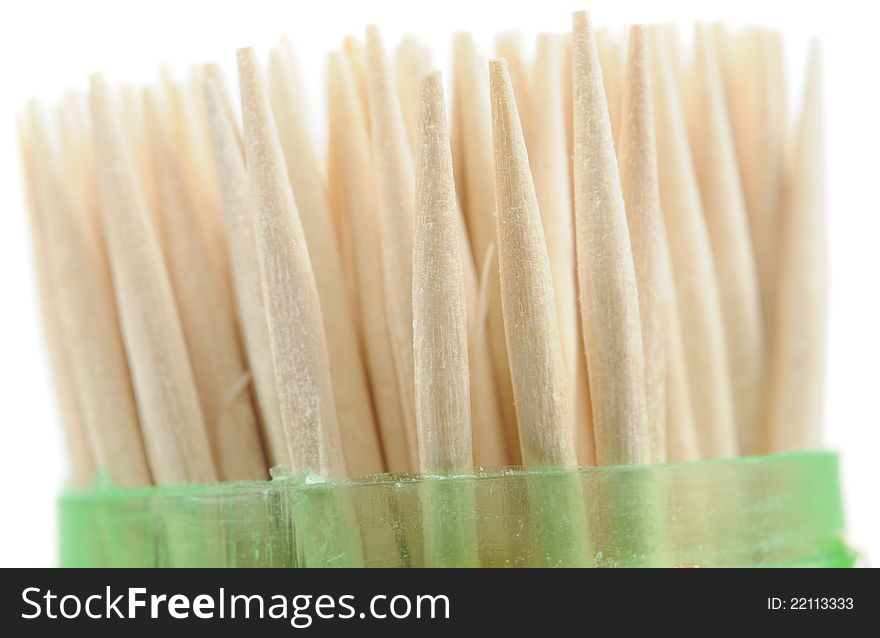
(609, 253)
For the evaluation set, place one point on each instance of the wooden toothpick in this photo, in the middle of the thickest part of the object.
(171, 420)
(487, 423)
(296, 333)
(695, 283)
(541, 388)
(188, 139)
(549, 161)
(80, 283)
(682, 442)
(478, 204)
(754, 79)
(395, 197)
(207, 319)
(245, 270)
(134, 124)
(608, 293)
(440, 329)
(82, 464)
(797, 355)
(440, 345)
(638, 176)
(360, 439)
(728, 225)
(358, 201)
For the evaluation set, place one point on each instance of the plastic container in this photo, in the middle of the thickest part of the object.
(775, 511)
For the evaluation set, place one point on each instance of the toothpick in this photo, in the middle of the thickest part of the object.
(395, 190)
(487, 424)
(795, 367)
(167, 401)
(190, 143)
(537, 367)
(410, 60)
(359, 205)
(693, 269)
(479, 209)
(568, 111)
(360, 439)
(296, 334)
(213, 75)
(336, 139)
(548, 158)
(728, 225)
(356, 57)
(440, 332)
(638, 177)
(756, 102)
(81, 286)
(82, 464)
(608, 294)
(583, 407)
(134, 127)
(682, 441)
(245, 267)
(77, 160)
(207, 319)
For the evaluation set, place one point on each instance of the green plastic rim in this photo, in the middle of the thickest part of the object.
(774, 511)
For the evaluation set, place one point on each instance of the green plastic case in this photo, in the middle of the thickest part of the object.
(774, 511)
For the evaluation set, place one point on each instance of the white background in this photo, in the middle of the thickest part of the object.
(47, 47)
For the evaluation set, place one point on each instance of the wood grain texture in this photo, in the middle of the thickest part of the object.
(173, 429)
(797, 357)
(359, 206)
(537, 367)
(728, 225)
(82, 463)
(693, 268)
(296, 332)
(608, 290)
(395, 197)
(549, 161)
(478, 204)
(637, 152)
(440, 324)
(245, 270)
(354, 410)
